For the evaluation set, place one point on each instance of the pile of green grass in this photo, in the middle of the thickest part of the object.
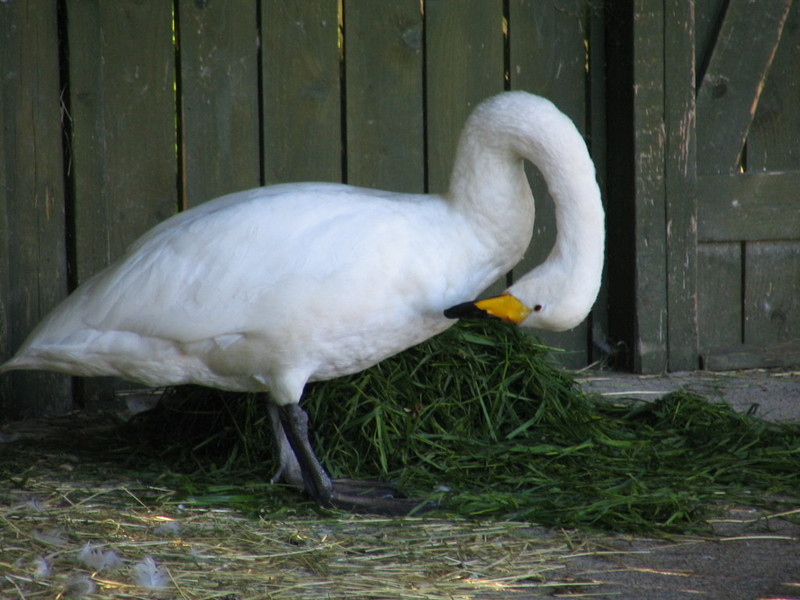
(482, 420)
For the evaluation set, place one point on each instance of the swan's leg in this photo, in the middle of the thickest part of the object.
(364, 496)
(289, 470)
(295, 426)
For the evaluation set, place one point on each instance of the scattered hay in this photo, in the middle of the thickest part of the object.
(218, 553)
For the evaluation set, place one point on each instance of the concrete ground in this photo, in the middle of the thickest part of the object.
(751, 557)
(775, 393)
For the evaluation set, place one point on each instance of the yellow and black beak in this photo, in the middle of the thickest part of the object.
(504, 307)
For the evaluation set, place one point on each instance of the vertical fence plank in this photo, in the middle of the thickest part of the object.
(680, 186)
(124, 138)
(32, 255)
(383, 65)
(124, 141)
(650, 250)
(636, 266)
(548, 57)
(600, 344)
(772, 292)
(463, 65)
(719, 296)
(219, 97)
(301, 102)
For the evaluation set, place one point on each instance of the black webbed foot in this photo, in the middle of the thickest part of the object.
(348, 494)
(374, 497)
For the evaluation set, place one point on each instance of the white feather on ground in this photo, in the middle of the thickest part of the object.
(148, 574)
(98, 559)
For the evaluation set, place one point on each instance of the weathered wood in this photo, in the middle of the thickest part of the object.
(680, 180)
(732, 83)
(773, 142)
(32, 225)
(301, 91)
(371, 96)
(749, 206)
(752, 357)
(383, 48)
(719, 296)
(547, 56)
(748, 285)
(772, 292)
(125, 169)
(463, 65)
(650, 250)
(123, 108)
(218, 95)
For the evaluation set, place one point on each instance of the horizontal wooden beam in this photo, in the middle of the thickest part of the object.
(748, 207)
(752, 356)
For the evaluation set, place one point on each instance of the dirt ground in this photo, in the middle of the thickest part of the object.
(750, 556)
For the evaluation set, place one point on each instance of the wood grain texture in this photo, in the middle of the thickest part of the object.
(748, 189)
(728, 94)
(218, 98)
(680, 190)
(124, 134)
(651, 299)
(749, 206)
(383, 49)
(777, 356)
(301, 99)
(463, 65)
(773, 141)
(124, 130)
(32, 211)
(719, 296)
(772, 292)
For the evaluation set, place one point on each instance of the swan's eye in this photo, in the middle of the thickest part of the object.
(538, 308)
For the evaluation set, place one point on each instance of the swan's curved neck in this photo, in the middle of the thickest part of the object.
(489, 182)
(576, 260)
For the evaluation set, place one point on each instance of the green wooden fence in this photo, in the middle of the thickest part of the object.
(116, 114)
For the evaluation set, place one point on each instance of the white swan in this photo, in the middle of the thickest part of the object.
(267, 289)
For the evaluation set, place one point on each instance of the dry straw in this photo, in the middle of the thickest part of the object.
(205, 553)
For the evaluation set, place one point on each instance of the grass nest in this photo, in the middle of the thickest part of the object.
(482, 420)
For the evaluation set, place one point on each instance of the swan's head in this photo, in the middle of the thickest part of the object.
(533, 302)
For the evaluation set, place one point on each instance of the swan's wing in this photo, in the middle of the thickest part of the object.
(239, 263)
